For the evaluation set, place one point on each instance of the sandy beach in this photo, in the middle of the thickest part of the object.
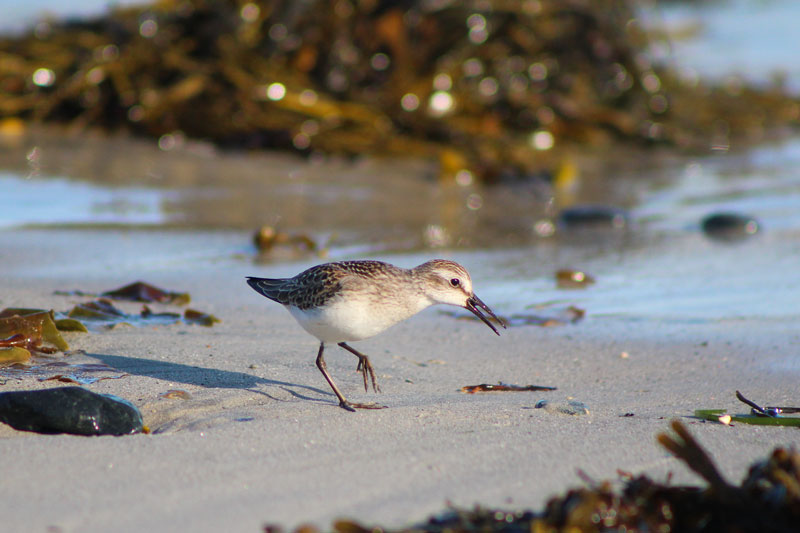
(159, 145)
(262, 441)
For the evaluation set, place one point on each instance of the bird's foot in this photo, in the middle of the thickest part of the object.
(365, 367)
(352, 406)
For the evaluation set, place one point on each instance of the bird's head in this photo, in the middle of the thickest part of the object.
(447, 282)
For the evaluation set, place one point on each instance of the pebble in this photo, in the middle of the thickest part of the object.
(729, 226)
(593, 217)
(73, 410)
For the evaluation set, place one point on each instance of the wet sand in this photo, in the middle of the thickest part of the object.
(261, 440)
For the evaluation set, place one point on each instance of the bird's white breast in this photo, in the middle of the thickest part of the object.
(352, 319)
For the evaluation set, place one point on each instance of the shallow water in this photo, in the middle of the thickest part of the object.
(58, 201)
(18, 16)
(755, 40)
(661, 271)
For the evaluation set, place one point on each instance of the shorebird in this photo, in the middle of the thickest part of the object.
(355, 300)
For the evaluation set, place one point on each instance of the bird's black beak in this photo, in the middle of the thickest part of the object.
(475, 305)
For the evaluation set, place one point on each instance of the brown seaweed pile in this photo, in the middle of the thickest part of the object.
(26, 331)
(768, 500)
(493, 88)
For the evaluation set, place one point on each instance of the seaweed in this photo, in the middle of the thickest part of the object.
(768, 499)
(573, 279)
(190, 316)
(496, 89)
(140, 291)
(503, 387)
(30, 329)
(101, 313)
(553, 316)
(78, 373)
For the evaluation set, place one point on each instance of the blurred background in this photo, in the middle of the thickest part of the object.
(646, 143)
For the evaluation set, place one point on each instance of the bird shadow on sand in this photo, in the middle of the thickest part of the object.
(210, 378)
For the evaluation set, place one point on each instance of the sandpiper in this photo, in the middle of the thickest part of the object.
(354, 300)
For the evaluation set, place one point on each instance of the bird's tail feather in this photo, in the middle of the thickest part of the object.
(269, 287)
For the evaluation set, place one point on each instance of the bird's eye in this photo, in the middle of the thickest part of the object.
(455, 282)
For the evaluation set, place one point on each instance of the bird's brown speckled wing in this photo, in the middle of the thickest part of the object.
(365, 269)
(315, 286)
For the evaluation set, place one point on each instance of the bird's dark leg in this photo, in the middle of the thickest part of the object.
(343, 403)
(364, 366)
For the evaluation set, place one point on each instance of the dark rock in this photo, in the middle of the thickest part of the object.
(729, 226)
(593, 217)
(72, 410)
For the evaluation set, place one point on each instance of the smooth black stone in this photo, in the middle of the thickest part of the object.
(729, 226)
(593, 217)
(72, 410)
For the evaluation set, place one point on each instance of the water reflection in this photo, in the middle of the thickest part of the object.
(390, 203)
(59, 201)
(384, 204)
